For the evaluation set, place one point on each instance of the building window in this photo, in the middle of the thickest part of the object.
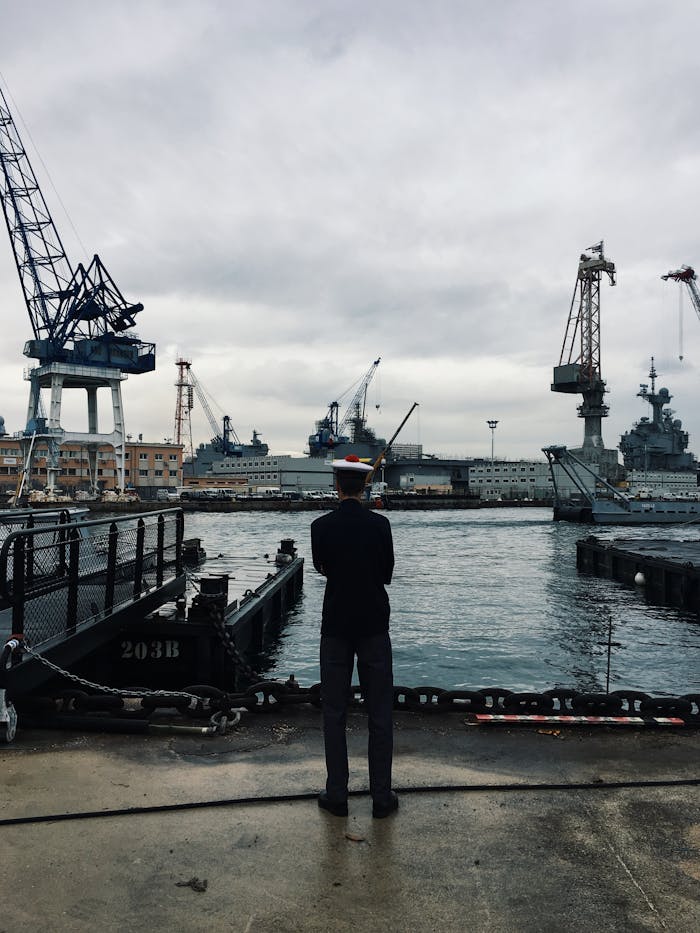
(172, 456)
(143, 472)
(159, 472)
(159, 456)
(143, 456)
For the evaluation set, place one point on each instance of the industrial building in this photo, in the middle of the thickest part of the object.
(148, 467)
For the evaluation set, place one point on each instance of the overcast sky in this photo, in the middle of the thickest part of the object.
(293, 189)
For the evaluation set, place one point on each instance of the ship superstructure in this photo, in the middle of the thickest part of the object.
(659, 442)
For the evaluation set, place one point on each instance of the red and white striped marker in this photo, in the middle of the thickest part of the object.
(525, 718)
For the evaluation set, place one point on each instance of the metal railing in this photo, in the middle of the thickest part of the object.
(55, 579)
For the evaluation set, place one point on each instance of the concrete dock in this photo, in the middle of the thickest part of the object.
(539, 836)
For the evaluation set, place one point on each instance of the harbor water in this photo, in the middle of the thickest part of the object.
(482, 598)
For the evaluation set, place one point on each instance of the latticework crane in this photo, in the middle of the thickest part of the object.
(224, 439)
(79, 317)
(330, 430)
(579, 369)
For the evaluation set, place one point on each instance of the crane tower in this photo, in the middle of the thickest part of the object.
(184, 406)
(225, 440)
(79, 318)
(579, 370)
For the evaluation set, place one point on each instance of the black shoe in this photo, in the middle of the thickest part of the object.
(380, 810)
(337, 808)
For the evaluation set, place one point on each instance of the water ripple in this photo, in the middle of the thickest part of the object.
(487, 597)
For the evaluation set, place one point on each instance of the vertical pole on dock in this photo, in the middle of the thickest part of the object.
(111, 567)
(179, 537)
(18, 588)
(160, 550)
(610, 644)
(138, 560)
(73, 575)
(607, 673)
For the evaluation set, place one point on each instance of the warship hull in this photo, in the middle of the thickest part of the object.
(649, 512)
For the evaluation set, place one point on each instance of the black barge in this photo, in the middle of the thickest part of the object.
(104, 604)
(667, 570)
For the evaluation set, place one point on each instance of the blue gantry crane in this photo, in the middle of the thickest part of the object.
(82, 323)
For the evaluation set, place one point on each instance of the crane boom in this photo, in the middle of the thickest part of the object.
(359, 399)
(77, 315)
(222, 437)
(44, 270)
(382, 455)
(686, 276)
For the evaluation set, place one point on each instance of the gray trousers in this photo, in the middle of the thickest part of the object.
(374, 667)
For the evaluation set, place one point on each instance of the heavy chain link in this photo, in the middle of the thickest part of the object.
(227, 640)
(103, 688)
(230, 648)
(266, 696)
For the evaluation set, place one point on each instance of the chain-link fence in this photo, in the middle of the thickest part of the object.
(55, 579)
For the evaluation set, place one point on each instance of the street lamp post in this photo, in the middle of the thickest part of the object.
(492, 424)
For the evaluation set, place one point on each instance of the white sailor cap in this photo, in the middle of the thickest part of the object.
(351, 462)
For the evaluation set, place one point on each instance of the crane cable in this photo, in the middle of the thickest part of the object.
(28, 132)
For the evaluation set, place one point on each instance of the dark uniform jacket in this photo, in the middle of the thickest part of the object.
(353, 547)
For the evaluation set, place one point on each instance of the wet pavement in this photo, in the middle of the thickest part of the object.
(499, 829)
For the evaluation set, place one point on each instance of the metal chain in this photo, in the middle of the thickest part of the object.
(230, 647)
(116, 691)
(224, 634)
(270, 695)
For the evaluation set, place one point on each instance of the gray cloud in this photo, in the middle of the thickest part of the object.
(295, 189)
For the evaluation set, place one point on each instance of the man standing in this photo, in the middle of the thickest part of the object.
(352, 547)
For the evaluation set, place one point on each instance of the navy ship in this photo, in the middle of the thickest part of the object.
(219, 449)
(655, 450)
(662, 475)
(659, 442)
